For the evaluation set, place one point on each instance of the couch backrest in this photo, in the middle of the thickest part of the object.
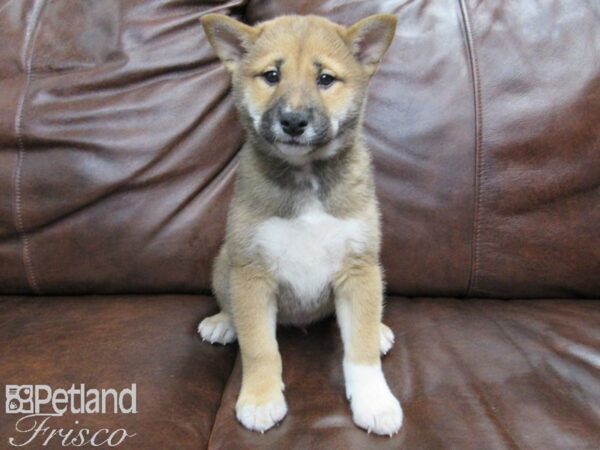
(118, 143)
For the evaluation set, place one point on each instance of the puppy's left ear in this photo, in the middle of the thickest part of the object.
(370, 38)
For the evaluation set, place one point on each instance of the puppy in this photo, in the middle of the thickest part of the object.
(303, 230)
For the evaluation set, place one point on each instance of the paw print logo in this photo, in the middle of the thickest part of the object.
(19, 399)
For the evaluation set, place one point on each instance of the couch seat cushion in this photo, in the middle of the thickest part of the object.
(112, 342)
(471, 374)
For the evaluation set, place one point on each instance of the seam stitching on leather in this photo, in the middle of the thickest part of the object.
(479, 172)
(18, 201)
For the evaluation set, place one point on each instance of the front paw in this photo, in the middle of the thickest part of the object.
(374, 407)
(260, 413)
(380, 415)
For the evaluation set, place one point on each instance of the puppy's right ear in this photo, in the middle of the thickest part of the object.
(230, 38)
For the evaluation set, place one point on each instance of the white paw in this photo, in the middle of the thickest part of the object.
(386, 339)
(374, 407)
(261, 417)
(217, 329)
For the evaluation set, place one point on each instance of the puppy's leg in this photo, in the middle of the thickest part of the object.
(260, 404)
(358, 298)
(219, 328)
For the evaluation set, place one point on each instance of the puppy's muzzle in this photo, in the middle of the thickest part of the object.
(294, 123)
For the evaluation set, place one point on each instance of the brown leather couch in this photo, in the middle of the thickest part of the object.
(118, 146)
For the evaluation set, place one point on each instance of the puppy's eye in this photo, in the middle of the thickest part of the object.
(271, 76)
(325, 80)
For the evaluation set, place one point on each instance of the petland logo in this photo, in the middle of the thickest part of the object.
(39, 404)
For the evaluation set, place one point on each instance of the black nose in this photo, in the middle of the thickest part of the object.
(294, 123)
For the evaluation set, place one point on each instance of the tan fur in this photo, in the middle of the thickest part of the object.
(244, 286)
(359, 285)
(282, 39)
(254, 310)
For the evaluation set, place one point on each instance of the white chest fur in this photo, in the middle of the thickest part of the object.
(306, 251)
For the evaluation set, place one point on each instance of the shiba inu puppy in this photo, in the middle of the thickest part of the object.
(303, 230)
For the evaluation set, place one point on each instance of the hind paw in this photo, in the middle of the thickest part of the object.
(217, 329)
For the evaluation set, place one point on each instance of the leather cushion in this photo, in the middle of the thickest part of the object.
(476, 374)
(112, 342)
(119, 139)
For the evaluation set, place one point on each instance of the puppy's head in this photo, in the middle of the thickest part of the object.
(300, 81)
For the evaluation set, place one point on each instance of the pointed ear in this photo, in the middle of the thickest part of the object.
(370, 38)
(230, 38)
